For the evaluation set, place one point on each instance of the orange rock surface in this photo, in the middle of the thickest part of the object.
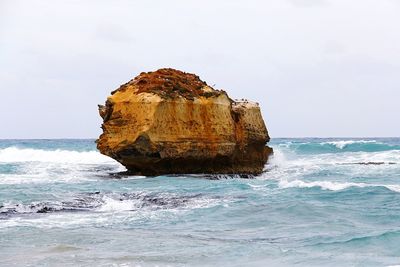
(171, 122)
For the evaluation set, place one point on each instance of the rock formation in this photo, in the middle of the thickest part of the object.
(171, 122)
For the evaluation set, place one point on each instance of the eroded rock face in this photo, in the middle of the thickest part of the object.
(171, 122)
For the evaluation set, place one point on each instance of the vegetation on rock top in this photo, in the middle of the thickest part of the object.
(170, 83)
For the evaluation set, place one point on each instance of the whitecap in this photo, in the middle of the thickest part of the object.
(344, 143)
(115, 205)
(106, 209)
(285, 159)
(11, 207)
(333, 186)
(44, 166)
(14, 154)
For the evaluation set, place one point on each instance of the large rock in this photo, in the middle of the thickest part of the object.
(171, 122)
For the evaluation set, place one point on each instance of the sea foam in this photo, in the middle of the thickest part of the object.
(334, 186)
(338, 146)
(343, 143)
(48, 166)
(14, 154)
(114, 205)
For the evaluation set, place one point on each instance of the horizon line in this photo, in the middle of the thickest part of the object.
(283, 137)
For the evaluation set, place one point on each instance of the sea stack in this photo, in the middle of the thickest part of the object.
(171, 122)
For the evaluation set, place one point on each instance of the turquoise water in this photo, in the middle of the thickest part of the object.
(330, 202)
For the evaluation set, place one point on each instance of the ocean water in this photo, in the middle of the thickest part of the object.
(321, 202)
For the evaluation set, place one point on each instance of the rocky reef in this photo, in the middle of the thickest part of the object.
(171, 122)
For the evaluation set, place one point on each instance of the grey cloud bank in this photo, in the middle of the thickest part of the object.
(318, 68)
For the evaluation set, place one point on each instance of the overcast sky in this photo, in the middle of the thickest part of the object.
(318, 68)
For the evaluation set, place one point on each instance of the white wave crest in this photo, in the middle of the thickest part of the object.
(111, 204)
(110, 214)
(47, 166)
(14, 154)
(18, 207)
(115, 205)
(288, 160)
(343, 143)
(333, 186)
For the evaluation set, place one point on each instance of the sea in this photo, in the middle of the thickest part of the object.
(320, 202)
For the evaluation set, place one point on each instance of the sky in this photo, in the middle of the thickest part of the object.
(318, 68)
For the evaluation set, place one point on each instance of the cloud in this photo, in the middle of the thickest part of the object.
(113, 32)
(308, 3)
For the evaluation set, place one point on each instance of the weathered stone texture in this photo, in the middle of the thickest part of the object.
(171, 122)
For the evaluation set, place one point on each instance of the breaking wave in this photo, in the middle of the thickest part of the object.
(14, 154)
(334, 186)
(28, 165)
(284, 159)
(339, 146)
(111, 202)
